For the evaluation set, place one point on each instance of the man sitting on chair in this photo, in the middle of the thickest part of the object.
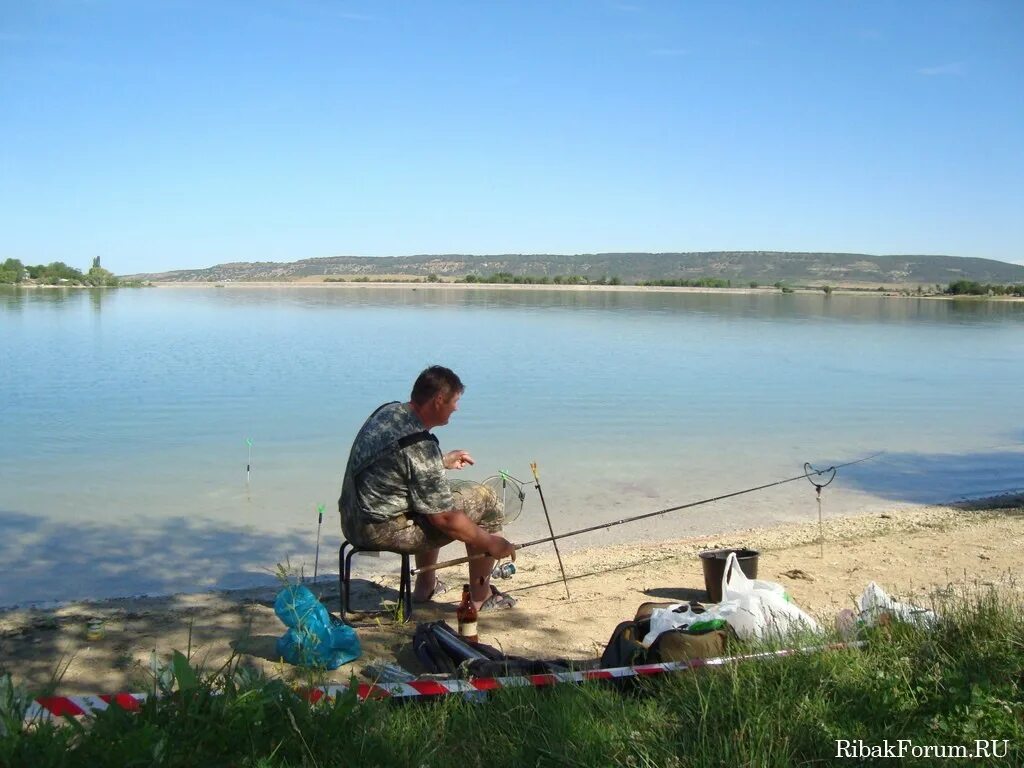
(397, 498)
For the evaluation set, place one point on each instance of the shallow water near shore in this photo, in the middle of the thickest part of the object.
(125, 415)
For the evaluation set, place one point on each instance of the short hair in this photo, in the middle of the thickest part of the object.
(433, 381)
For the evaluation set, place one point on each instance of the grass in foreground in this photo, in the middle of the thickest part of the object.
(954, 685)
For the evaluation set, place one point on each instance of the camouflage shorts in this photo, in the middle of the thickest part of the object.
(414, 533)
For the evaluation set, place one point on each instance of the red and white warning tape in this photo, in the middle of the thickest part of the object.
(76, 706)
(59, 706)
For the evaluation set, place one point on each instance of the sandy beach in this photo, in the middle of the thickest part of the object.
(915, 552)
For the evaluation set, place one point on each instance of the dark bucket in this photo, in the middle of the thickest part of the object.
(713, 561)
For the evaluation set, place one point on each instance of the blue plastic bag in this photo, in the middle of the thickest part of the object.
(312, 639)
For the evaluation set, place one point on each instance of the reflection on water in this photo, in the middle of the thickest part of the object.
(763, 305)
(16, 298)
(118, 405)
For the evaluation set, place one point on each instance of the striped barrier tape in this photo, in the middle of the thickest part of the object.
(77, 706)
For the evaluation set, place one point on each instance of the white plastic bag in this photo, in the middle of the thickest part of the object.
(664, 619)
(762, 610)
(875, 603)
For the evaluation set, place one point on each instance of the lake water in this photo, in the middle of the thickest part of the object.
(125, 415)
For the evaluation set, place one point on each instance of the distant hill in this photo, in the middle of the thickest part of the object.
(765, 267)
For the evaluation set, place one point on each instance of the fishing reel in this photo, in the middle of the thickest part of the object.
(503, 571)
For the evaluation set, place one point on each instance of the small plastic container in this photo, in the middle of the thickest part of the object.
(94, 629)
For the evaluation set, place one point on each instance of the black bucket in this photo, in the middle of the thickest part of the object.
(713, 561)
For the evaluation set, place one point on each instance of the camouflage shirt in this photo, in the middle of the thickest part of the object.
(385, 479)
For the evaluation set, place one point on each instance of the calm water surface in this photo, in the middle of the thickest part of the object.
(124, 415)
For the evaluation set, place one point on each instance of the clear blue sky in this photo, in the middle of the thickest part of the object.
(172, 134)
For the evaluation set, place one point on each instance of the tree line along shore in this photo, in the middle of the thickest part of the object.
(57, 273)
(13, 272)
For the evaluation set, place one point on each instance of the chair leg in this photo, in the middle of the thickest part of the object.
(343, 578)
(345, 582)
(405, 588)
(348, 576)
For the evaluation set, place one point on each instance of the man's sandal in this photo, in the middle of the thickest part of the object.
(439, 589)
(497, 601)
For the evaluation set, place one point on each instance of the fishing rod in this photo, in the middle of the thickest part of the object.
(319, 524)
(803, 476)
(554, 542)
(248, 463)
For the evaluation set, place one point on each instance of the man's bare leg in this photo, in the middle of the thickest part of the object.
(425, 582)
(479, 575)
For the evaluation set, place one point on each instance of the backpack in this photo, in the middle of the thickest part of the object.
(625, 649)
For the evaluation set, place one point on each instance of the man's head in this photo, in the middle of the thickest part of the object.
(435, 395)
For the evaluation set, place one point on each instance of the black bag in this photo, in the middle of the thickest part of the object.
(426, 644)
(625, 648)
(441, 650)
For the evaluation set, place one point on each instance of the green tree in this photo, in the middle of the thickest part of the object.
(55, 272)
(12, 271)
(966, 288)
(100, 277)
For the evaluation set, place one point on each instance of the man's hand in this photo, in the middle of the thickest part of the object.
(457, 460)
(500, 547)
(456, 524)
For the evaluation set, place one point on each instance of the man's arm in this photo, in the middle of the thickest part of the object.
(456, 523)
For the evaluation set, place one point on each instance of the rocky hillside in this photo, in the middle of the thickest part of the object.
(765, 267)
